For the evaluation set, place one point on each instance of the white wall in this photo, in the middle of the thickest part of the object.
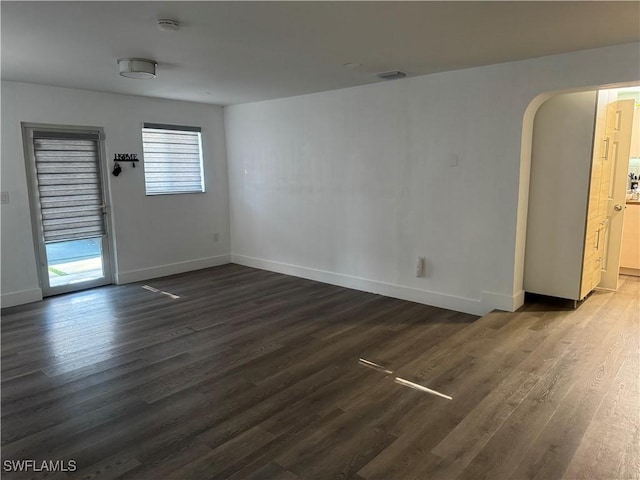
(350, 186)
(156, 235)
(558, 196)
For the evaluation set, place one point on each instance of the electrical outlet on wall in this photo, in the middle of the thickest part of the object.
(216, 237)
(421, 267)
(4, 197)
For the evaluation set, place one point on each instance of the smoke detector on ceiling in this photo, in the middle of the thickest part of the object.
(168, 25)
(392, 75)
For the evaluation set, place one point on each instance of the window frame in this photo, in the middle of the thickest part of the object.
(177, 128)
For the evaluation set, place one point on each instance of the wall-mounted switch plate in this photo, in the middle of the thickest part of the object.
(453, 160)
(4, 197)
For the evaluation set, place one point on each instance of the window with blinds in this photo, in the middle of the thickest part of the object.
(172, 159)
(68, 182)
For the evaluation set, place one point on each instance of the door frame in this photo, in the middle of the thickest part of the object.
(108, 240)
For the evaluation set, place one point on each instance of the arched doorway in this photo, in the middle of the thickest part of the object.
(567, 194)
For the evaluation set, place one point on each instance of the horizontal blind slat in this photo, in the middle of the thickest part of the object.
(70, 168)
(150, 127)
(70, 212)
(74, 234)
(68, 190)
(57, 135)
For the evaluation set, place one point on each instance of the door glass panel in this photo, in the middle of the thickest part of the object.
(74, 261)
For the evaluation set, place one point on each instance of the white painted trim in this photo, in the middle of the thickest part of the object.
(12, 299)
(171, 269)
(500, 301)
(518, 300)
(443, 300)
(630, 271)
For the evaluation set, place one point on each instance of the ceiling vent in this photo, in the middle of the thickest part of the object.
(392, 75)
(168, 25)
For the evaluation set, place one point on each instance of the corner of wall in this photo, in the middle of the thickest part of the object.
(499, 301)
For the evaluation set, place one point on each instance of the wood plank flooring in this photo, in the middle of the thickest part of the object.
(254, 375)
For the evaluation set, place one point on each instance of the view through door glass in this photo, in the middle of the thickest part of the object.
(74, 261)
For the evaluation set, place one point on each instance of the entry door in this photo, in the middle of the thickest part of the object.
(68, 208)
(614, 187)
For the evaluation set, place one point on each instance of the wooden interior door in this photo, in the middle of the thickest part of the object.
(596, 213)
(613, 188)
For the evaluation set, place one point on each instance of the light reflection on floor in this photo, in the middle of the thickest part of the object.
(77, 336)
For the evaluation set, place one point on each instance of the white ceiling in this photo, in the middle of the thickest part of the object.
(236, 52)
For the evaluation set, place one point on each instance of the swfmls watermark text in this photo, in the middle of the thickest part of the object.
(30, 465)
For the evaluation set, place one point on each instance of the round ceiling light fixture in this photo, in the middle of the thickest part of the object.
(137, 68)
(168, 25)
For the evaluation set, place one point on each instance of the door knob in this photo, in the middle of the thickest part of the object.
(617, 207)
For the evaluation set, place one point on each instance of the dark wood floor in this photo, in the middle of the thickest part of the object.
(254, 375)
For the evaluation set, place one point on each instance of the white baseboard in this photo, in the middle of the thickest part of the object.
(500, 301)
(436, 299)
(635, 272)
(12, 299)
(490, 301)
(171, 269)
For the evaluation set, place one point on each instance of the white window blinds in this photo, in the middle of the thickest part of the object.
(172, 159)
(68, 180)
